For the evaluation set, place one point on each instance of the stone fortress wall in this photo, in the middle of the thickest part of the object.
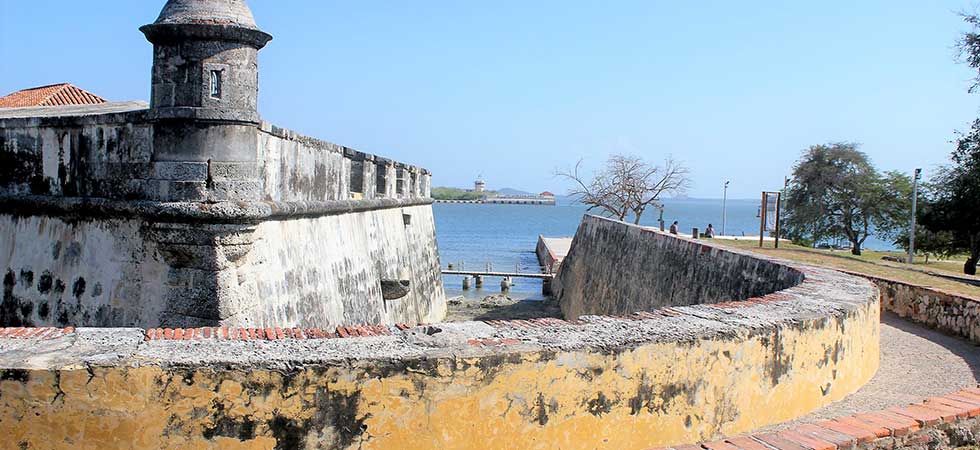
(191, 211)
(216, 274)
(612, 269)
(632, 380)
(82, 151)
(95, 232)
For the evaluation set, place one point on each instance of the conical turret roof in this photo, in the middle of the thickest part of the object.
(207, 12)
(228, 20)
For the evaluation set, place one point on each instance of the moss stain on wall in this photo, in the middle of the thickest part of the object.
(654, 394)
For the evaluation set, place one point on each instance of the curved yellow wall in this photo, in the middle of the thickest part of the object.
(653, 394)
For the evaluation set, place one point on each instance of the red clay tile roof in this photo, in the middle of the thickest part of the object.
(53, 95)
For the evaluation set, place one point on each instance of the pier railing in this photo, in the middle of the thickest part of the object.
(507, 278)
(472, 273)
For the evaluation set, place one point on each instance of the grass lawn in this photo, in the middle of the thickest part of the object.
(869, 263)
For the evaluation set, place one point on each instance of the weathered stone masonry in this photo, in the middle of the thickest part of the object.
(615, 269)
(953, 314)
(165, 222)
(193, 211)
(939, 423)
(655, 376)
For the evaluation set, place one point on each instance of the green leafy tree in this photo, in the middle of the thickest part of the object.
(954, 207)
(968, 47)
(836, 193)
(449, 193)
(896, 214)
(928, 243)
(954, 203)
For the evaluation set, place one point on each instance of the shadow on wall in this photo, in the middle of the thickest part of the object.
(963, 349)
(617, 268)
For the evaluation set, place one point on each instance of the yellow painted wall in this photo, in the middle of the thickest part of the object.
(656, 394)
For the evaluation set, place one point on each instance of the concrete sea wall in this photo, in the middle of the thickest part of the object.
(613, 268)
(659, 376)
(547, 259)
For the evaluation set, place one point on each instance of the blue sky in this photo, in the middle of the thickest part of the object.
(515, 89)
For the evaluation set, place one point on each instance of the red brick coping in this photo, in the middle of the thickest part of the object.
(890, 428)
(34, 333)
(351, 331)
(271, 334)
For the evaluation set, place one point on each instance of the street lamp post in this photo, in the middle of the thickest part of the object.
(660, 206)
(915, 196)
(724, 210)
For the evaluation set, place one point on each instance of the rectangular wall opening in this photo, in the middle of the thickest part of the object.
(380, 176)
(357, 176)
(400, 181)
(215, 87)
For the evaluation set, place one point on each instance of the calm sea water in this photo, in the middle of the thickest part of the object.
(505, 235)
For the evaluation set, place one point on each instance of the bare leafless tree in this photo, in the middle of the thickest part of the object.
(627, 185)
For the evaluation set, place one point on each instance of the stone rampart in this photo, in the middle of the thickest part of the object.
(94, 155)
(659, 376)
(614, 268)
(102, 225)
(119, 156)
(114, 272)
(192, 211)
(293, 167)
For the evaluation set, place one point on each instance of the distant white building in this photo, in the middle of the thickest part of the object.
(480, 185)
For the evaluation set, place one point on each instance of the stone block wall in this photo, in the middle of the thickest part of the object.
(172, 71)
(617, 268)
(953, 314)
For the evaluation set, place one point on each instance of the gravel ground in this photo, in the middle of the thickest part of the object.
(916, 363)
(499, 307)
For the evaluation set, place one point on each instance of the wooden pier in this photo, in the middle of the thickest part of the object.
(475, 273)
(550, 252)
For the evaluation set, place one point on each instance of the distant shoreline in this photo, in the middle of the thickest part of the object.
(528, 200)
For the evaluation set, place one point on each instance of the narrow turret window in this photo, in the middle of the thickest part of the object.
(215, 84)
